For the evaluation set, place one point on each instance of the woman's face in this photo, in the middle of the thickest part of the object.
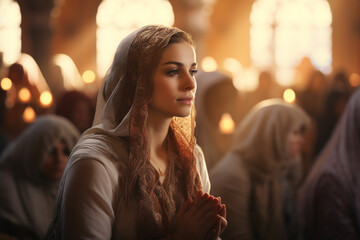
(296, 141)
(174, 82)
(55, 161)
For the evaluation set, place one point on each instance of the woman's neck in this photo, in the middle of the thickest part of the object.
(157, 129)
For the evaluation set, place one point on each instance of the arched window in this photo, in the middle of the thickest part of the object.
(285, 31)
(10, 31)
(117, 18)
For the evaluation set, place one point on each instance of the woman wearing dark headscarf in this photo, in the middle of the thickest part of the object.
(137, 173)
(257, 178)
(329, 200)
(78, 108)
(30, 172)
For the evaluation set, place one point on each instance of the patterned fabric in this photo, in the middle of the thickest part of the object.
(124, 193)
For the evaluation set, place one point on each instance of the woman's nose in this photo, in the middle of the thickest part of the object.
(190, 82)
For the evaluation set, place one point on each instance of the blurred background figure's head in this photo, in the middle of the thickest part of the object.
(216, 107)
(78, 108)
(30, 170)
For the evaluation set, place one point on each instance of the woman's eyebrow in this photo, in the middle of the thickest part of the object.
(178, 63)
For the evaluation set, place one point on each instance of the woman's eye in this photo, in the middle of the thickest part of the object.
(193, 72)
(53, 152)
(66, 152)
(173, 72)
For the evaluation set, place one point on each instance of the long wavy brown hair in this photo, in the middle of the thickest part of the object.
(141, 181)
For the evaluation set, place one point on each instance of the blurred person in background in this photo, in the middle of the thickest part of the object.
(334, 105)
(258, 178)
(312, 98)
(215, 96)
(4, 139)
(329, 200)
(77, 107)
(30, 170)
(267, 88)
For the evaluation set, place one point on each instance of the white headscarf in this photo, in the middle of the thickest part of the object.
(27, 197)
(111, 92)
(207, 135)
(261, 143)
(119, 131)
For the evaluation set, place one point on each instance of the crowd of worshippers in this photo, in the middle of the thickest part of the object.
(136, 166)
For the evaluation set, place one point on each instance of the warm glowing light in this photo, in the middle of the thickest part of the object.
(232, 65)
(29, 115)
(283, 32)
(10, 31)
(46, 98)
(226, 124)
(88, 76)
(6, 84)
(355, 80)
(247, 80)
(24, 95)
(33, 72)
(208, 64)
(117, 18)
(70, 74)
(289, 95)
(285, 76)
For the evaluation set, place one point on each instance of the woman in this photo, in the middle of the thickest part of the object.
(30, 172)
(329, 200)
(78, 108)
(215, 96)
(137, 173)
(258, 176)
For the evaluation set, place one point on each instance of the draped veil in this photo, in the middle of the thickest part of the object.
(120, 120)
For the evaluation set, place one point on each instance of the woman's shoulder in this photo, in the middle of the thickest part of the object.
(103, 148)
(100, 155)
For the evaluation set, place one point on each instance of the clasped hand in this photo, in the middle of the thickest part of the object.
(201, 218)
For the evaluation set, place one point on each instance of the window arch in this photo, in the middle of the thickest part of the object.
(283, 32)
(117, 18)
(10, 31)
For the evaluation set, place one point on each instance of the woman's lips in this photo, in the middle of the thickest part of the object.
(185, 100)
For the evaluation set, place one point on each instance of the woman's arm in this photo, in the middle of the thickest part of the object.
(87, 201)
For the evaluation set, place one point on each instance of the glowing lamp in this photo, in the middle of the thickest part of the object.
(6, 84)
(226, 124)
(29, 115)
(88, 76)
(289, 95)
(46, 98)
(208, 64)
(24, 95)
